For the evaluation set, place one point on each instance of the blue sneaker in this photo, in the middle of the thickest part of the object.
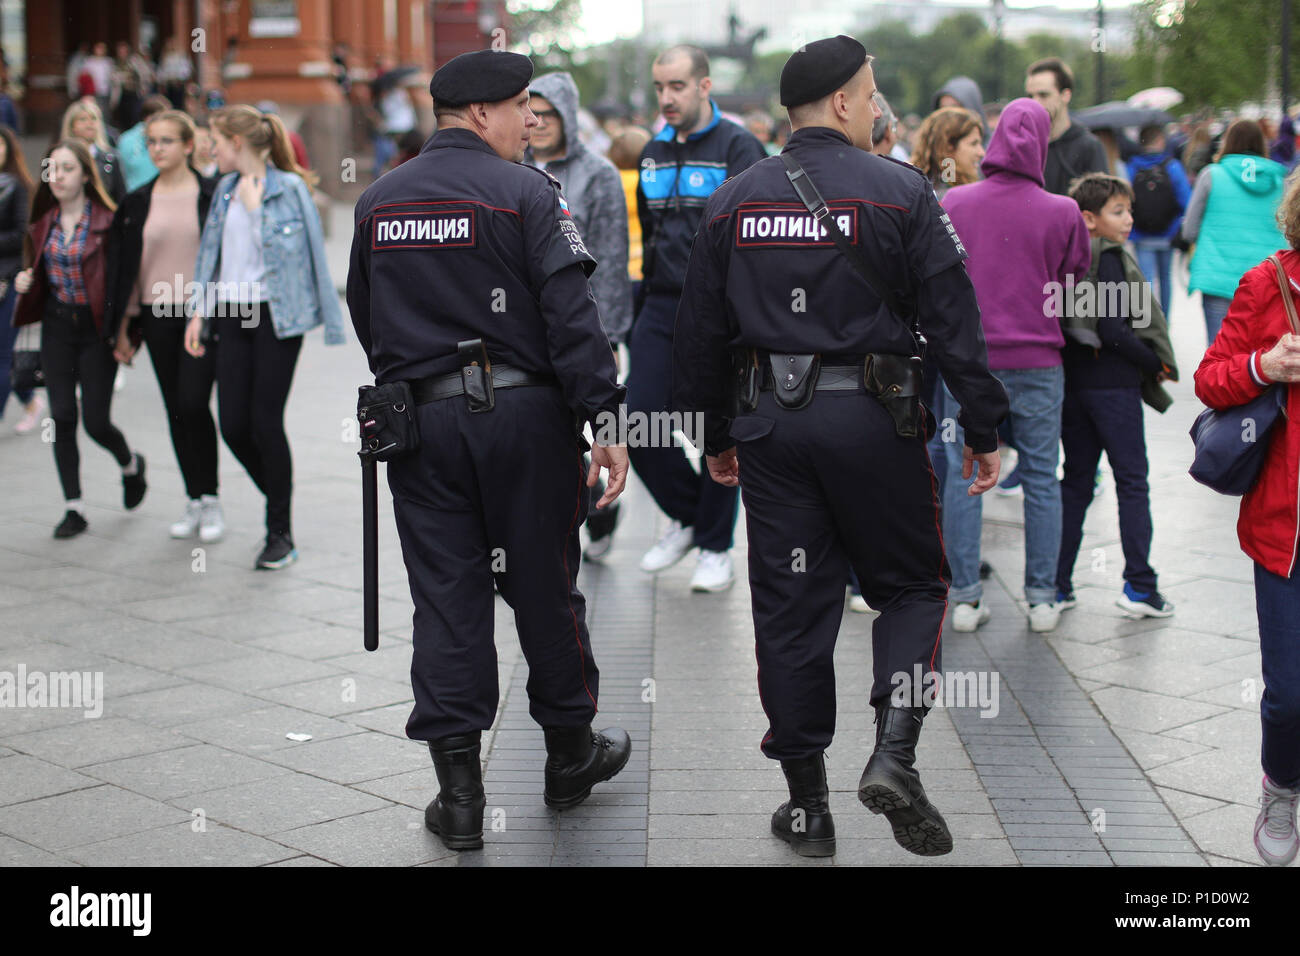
(1138, 604)
(1065, 600)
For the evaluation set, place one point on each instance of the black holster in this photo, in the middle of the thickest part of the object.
(747, 378)
(476, 375)
(895, 381)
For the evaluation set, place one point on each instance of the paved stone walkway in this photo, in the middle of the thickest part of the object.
(1116, 742)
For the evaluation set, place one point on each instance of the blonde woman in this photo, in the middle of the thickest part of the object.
(83, 121)
(265, 282)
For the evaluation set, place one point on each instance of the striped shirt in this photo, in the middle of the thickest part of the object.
(63, 260)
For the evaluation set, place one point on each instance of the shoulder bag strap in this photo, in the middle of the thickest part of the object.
(1288, 300)
(813, 201)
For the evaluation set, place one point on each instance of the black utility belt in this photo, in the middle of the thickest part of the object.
(893, 380)
(386, 413)
(438, 387)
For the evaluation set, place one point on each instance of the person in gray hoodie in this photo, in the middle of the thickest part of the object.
(964, 92)
(594, 191)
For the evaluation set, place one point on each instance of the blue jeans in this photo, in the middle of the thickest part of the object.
(385, 149)
(1277, 602)
(1036, 395)
(1155, 258)
(1216, 307)
(8, 336)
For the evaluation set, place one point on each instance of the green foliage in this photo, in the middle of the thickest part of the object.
(1216, 52)
(910, 69)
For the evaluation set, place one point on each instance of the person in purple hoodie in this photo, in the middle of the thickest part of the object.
(1021, 239)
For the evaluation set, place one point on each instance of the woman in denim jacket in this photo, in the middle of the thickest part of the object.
(262, 281)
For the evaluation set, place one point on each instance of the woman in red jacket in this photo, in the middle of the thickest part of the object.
(1255, 348)
(65, 290)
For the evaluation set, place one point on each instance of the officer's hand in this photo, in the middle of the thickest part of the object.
(724, 468)
(613, 457)
(23, 281)
(990, 464)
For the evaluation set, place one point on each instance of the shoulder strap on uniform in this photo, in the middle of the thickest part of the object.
(812, 199)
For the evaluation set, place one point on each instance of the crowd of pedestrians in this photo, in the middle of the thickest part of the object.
(104, 256)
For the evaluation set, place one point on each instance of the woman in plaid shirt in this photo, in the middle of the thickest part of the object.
(65, 290)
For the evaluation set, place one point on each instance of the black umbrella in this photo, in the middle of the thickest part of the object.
(1119, 115)
(386, 81)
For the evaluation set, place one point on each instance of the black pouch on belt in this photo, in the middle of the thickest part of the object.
(476, 375)
(895, 381)
(387, 417)
(794, 378)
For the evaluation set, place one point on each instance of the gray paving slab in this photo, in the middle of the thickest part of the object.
(17, 853)
(95, 741)
(280, 803)
(394, 836)
(85, 816)
(183, 845)
(259, 732)
(25, 778)
(185, 770)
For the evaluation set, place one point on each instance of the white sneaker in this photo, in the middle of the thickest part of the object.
(1044, 617)
(1275, 831)
(212, 523)
(596, 550)
(858, 605)
(32, 412)
(670, 549)
(713, 572)
(189, 522)
(967, 617)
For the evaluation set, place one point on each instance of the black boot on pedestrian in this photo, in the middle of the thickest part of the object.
(134, 486)
(578, 758)
(456, 813)
(891, 785)
(805, 821)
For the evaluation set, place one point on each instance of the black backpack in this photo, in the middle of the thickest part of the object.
(1155, 207)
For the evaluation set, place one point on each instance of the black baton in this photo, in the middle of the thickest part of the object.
(370, 552)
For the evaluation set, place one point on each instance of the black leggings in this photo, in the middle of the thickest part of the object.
(254, 374)
(186, 386)
(72, 351)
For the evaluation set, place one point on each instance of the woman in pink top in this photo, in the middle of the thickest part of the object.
(156, 231)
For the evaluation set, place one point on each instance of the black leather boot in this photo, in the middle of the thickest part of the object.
(577, 758)
(891, 785)
(456, 813)
(805, 821)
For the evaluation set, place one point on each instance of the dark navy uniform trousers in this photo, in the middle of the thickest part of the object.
(831, 486)
(500, 492)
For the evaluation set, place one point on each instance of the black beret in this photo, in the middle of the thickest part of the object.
(483, 76)
(820, 68)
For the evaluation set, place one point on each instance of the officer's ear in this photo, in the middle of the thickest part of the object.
(706, 84)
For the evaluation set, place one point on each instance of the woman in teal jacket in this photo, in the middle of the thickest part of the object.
(261, 282)
(1232, 218)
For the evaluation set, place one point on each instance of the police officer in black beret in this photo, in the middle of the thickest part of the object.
(796, 339)
(468, 281)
